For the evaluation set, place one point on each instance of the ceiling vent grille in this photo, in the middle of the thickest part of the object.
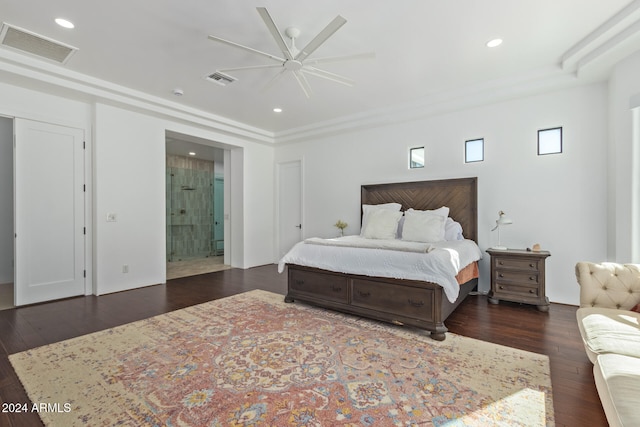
(221, 78)
(35, 44)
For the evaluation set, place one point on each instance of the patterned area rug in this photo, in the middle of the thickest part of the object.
(251, 360)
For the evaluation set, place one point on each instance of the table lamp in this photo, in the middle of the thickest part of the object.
(502, 220)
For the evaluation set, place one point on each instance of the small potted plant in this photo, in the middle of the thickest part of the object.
(341, 225)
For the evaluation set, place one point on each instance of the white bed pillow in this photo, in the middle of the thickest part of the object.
(382, 224)
(367, 209)
(423, 226)
(442, 211)
(452, 230)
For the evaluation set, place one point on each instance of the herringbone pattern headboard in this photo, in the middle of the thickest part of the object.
(460, 195)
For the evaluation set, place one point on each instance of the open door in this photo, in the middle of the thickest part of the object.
(49, 212)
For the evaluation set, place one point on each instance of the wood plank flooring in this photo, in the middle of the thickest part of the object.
(555, 333)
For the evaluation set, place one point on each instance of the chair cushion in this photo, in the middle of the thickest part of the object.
(608, 330)
(617, 379)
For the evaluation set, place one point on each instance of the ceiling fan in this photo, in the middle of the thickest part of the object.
(296, 61)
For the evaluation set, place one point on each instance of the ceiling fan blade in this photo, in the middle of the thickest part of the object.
(249, 49)
(329, 76)
(304, 84)
(327, 32)
(277, 36)
(251, 67)
(273, 80)
(366, 55)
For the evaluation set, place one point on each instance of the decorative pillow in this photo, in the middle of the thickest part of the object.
(382, 224)
(423, 226)
(452, 230)
(636, 308)
(367, 209)
(443, 211)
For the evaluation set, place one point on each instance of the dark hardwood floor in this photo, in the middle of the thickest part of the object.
(554, 333)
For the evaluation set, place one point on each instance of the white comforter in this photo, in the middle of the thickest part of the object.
(440, 264)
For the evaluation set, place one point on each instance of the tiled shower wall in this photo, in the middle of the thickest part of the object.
(189, 208)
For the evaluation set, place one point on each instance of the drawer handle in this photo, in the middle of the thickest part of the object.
(532, 265)
(364, 294)
(501, 287)
(415, 303)
(500, 275)
(500, 263)
(531, 291)
(336, 288)
(299, 282)
(532, 278)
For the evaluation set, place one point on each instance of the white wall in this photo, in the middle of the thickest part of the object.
(126, 176)
(129, 181)
(624, 85)
(558, 201)
(6, 200)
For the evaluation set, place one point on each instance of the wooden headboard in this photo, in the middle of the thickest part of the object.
(460, 195)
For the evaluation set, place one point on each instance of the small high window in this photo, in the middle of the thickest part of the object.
(550, 141)
(416, 157)
(474, 150)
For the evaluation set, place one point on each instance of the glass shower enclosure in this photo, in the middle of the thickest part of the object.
(192, 231)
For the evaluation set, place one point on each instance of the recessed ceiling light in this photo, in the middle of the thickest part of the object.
(191, 153)
(494, 42)
(64, 23)
(277, 110)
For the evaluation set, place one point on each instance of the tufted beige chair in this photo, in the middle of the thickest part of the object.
(608, 285)
(611, 336)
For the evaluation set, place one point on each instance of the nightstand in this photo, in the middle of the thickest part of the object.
(518, 275)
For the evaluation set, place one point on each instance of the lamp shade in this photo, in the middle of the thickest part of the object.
(502, 220)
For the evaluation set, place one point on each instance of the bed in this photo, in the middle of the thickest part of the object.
(415, 302)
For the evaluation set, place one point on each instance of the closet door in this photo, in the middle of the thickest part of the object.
(49, 212)
(289, 205)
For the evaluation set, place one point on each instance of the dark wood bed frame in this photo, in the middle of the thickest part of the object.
(402, 302)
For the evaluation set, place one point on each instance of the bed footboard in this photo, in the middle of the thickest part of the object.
(401, 302)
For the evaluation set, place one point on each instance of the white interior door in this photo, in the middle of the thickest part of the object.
(49, 212)
(289, 205)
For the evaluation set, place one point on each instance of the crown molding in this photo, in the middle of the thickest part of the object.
(27, 71)
(535, 82)
(615, 39)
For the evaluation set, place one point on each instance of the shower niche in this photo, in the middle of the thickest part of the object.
(194, 199)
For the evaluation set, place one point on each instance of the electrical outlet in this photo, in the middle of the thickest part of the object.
(125, 268)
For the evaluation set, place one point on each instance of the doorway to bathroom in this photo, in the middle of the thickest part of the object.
(195, 208)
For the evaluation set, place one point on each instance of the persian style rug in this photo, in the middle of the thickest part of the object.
(252, 360)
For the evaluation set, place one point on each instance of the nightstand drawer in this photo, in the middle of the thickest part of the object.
(504, 289)
(327, 286)
(516, 264)
(517, 276)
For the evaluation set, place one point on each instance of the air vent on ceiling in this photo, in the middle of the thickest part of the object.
(35, 44)
(221, 78)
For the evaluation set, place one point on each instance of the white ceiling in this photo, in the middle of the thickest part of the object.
(425, 49)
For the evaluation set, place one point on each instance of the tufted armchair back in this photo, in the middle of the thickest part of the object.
(608, 284)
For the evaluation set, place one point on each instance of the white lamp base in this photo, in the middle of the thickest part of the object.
(499, 248)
